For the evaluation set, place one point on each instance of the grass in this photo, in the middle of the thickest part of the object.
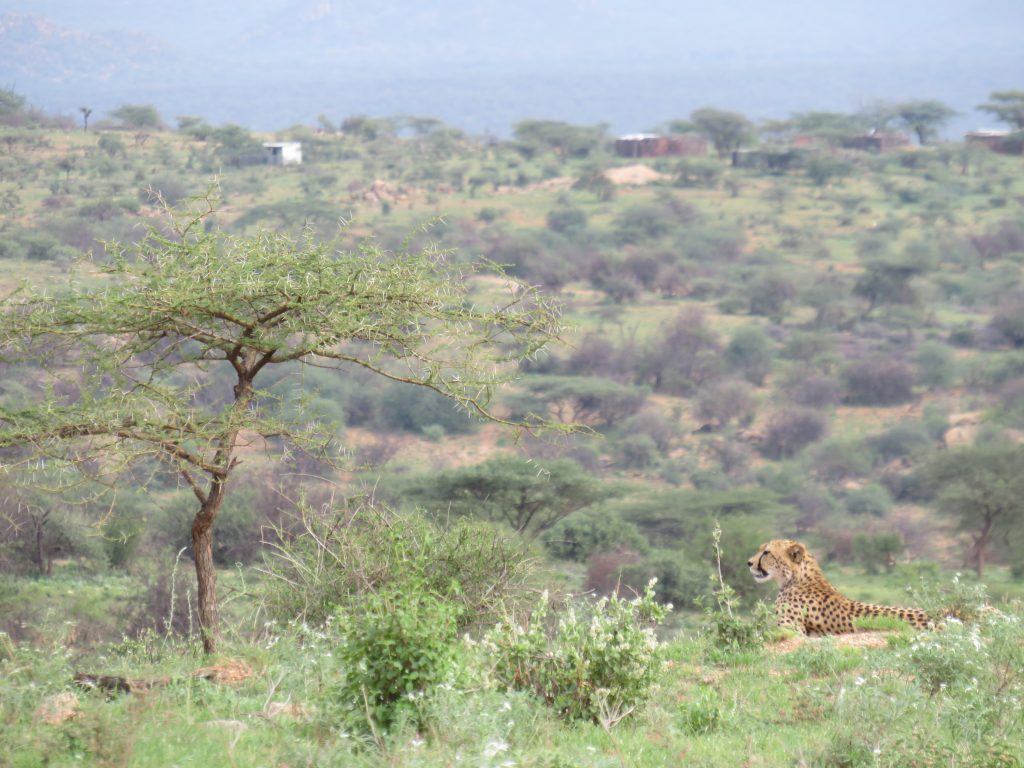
(713, 706)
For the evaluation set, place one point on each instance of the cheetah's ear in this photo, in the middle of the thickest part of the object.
(796, 552)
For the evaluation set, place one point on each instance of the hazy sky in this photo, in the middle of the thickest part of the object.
(559, 58)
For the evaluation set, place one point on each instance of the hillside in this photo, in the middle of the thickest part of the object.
(806, 341)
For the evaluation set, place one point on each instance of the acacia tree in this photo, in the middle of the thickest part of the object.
(131, 350)
(924, 117)
(983, 488)
(726, 130)
(513, 490)
(1007, 107)
(138, 116)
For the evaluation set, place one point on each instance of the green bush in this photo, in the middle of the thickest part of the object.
(398, 645)
(838, 460)
(412, 409)
(591, 530)
(877, 381)
(750, 354)
(936, 366)
(636, 452)
(527, 496)
(871, 500)
(338, 556)
(791, 430)
(599, 662)
(770, 294)
(903, 439)
(702, 714)
(681, 579)
(877, 552)
(124, 525)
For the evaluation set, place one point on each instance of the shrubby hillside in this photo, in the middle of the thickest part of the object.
(785, 338)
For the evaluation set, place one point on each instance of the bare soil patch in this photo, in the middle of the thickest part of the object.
(868, 639)
(634, 175)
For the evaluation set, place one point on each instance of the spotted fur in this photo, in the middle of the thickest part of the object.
(807, 602)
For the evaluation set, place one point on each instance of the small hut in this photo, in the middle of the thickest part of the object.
(283, 152)
(653, 145)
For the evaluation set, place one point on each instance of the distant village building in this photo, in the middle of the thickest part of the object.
(283, 152)
(876, 141)
(1003, 142)
(776, 160)
(653, 145)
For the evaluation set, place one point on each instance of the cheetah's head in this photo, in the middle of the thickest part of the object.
(779, 559)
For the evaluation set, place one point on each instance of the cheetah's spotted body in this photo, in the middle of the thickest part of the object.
(807, 602)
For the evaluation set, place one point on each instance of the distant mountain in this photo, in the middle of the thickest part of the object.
(484, 65)
(33, 48)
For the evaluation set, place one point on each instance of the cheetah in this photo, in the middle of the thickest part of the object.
(807, 603)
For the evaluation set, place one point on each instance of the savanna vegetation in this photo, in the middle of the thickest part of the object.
(438, 450)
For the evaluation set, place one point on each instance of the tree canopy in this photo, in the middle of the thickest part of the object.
(130, 349)
(726, 130)
(514, 491)
(565, 140)
(1007, 107)
(924, 117)
(982, 488)
(138, 116)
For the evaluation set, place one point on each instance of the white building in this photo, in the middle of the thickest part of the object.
(283, 152)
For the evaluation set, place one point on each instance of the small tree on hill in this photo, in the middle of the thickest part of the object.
(1007, 107)
(513, 491)
(129, 352)
(726, 130)
(983, 489)
(138, 116)
(923, 117)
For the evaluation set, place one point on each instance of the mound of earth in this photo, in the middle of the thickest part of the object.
(634, 175)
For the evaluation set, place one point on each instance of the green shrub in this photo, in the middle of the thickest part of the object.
(877, 552)
(877, 381)
(593, 400)
(527, 496)
(791, 430)
(726, 629)
(936, 366)
(903, 439)
(681, 579)
(338, 556)
(398, 645)
(871, 500)
(722, 402)
(961, 598)
(770, 294)
(599, 662)
(749, 353)
(837, 460)
(636, 452)
(123, 526)
(702, 714)
(947, 659)
(413, 409)
(591, 530)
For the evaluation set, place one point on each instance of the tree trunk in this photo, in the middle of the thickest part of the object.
(40, 550)
(202, 525)
(981, 542)
(206, 574)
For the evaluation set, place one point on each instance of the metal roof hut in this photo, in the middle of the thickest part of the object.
(876, 141)
(653, 145)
